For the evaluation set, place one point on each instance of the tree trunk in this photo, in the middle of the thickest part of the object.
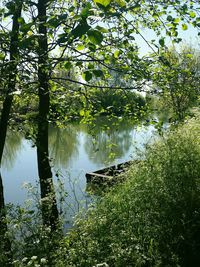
(49, 205)
(14, 54)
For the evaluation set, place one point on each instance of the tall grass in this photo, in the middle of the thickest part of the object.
(153, 219)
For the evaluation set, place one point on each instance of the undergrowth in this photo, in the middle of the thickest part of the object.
(153, 219)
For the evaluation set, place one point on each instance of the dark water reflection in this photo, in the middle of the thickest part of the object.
(74, 150)
(105, 146)
(63, 145)
(12, 148)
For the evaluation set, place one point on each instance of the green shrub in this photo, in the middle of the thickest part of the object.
(117, 102)
(151, 220)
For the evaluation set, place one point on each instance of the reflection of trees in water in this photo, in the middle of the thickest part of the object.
(12, 147)
(107, 145)
(63, 144)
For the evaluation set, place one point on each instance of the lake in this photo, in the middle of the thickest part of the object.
(74, 150)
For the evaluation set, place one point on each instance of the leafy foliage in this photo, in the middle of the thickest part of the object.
(176, 79)
(76, 102)
(117, 102)
(93, 36)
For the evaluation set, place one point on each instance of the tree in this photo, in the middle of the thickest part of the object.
(15, 8)
(176, 79)
(49, 206)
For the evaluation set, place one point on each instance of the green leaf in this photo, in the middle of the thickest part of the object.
(87, 76)
(92, 47)
(21, 20)
(82, 113)
(116, 53)
(101, 29)
(192, 14)
(189, 56)
(86, 11)
(80, 47)
(176, 20)
(103, 2)
(95, 37)
(26, 27)
(90, 66)
(121, 3)
(81, 29)
(184, 27)
(2, 56)
(53, 22)
(98, 73)
(169, 18)
(162, 42)
(68, 65)
(63, 17)
(79, 64)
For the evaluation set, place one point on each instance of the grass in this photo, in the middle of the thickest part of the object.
(153, 219)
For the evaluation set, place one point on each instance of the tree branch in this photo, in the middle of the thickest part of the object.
(139, 87)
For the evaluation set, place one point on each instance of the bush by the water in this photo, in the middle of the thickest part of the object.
(153, 219)
(98, 102)
(117, 102)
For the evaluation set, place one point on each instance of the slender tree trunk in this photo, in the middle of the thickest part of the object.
(14, 54)
(49, 207)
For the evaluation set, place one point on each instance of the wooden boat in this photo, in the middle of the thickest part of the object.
(107, 175)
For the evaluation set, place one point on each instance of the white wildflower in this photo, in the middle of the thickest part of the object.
(43, 260)
(24, 259)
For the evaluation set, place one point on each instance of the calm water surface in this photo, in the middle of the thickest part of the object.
(74, 151)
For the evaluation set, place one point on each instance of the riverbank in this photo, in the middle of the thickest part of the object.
(153, 219)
